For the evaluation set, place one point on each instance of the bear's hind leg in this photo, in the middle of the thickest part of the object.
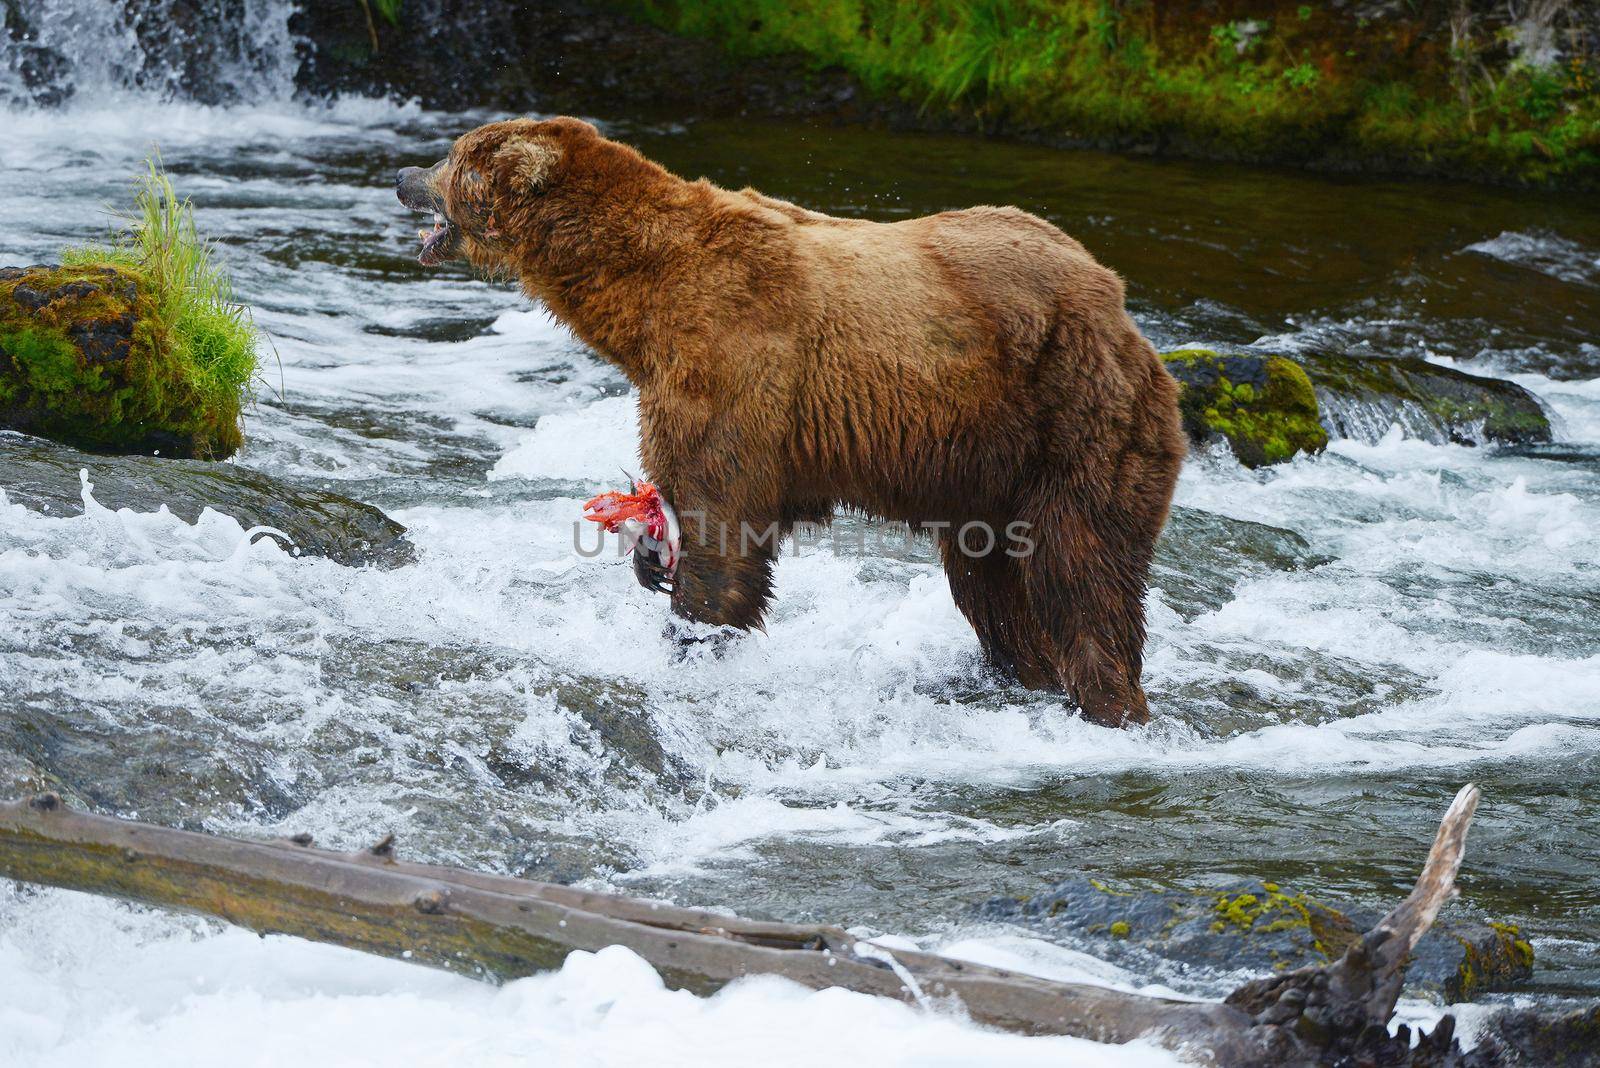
(1085, 584)
(990, 592)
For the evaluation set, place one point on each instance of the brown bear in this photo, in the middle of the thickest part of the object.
(972, 371)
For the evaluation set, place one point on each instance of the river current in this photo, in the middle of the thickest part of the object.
(507, 703)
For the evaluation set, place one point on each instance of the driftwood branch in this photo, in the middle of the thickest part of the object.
(498, 928)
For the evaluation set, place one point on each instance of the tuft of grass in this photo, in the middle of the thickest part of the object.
(203, 331)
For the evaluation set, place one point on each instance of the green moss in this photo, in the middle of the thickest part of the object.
(185, 352)
(1489, 966)
(1119, 929)
(47, 361)
(1272, 911)
(1265, 420)
(1461, 405)
(1292, 82)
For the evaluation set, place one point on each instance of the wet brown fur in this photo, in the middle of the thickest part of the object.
(973, 365)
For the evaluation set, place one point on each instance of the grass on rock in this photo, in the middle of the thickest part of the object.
(203, 331)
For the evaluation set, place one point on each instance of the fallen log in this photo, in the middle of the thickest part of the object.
(498, 928)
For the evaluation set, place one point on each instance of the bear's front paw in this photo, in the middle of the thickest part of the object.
(654, 564)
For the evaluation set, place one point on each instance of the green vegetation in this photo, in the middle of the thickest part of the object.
(209, 334)
(1270, 80)
(1263, 405)
(132, 346)
(1484, 967)
(1272, 910)
(388, 10)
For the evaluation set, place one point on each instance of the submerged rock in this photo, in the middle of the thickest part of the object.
(1362, 398)
(82, 362)
(1263, 406)
(1202, 557)
(43, 475)
(1260, 926)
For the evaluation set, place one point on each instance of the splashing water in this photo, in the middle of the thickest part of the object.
(507, 702)
(89, 51)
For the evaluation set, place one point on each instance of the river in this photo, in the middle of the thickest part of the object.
(506, 703)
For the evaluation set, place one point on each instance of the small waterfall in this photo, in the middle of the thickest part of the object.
(1369, 417)
(54, 52)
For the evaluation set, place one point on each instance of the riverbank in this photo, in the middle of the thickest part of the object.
(1466, 90)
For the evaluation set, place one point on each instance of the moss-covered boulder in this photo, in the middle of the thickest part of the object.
(1362, 398)
(85, 359)
(1259, 926)
(1263, 406)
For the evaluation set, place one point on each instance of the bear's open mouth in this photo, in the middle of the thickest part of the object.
(439, 244)
(418, 189)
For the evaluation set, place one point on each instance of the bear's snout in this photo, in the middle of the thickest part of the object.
(416, 188)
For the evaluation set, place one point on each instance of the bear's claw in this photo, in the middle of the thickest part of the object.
(653, 564)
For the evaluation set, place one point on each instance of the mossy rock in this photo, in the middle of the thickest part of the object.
(1362, 397)
(1260, 926)
(84, 361)
(1263, 406)
(1490, 953)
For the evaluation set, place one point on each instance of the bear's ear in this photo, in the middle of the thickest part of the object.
(528, 160)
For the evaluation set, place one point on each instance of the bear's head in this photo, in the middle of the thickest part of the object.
(506, 189)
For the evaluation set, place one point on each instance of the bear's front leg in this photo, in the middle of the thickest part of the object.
(724, 572)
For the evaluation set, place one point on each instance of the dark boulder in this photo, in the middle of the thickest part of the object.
(1202, 557)
(43, 475)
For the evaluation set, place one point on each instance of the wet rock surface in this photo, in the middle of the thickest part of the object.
(42, 72)
(1270, 408)
(1362, 398)
(458, 54)
(1258, 926)
(44, 476)
(1203, 556)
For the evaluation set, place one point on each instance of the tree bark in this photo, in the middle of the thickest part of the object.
(497, 928)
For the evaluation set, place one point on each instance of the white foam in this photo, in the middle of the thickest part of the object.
(1542, 251)
(591, 444)
(91, 984)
